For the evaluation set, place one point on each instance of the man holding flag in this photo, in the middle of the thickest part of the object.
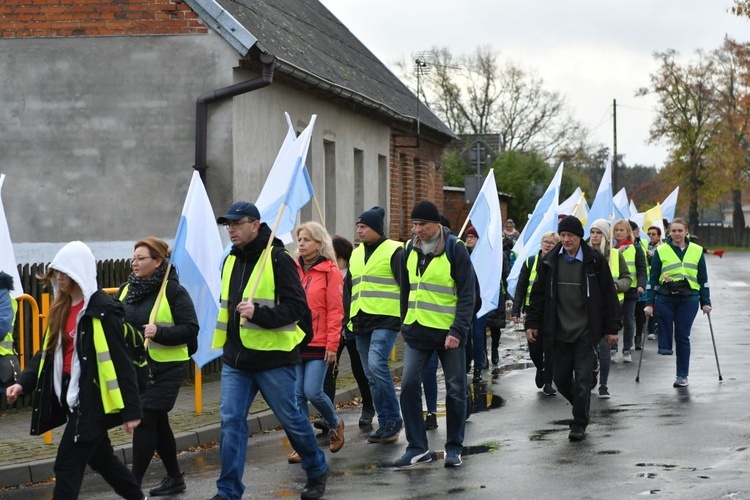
(262, 306)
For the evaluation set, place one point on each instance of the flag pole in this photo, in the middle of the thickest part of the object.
(157, 303)
(250, 297)
(320, 213)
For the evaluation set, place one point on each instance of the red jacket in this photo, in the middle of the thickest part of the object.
(324, 286)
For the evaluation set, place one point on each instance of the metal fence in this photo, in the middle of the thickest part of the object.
(717, 236)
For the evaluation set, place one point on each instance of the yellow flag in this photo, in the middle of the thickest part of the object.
(653, 217)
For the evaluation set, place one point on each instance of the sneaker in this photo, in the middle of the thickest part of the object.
(215, 497)
(377, 436)
(411, 458)
(453, 459)
(392, 431)
(321, 424)
(315, 487)
(548, 390)
(539, 378)
(626, 357)
(336, 437)
(680, 382)
(430, 421)
(603, 392)
(638, 347)
(169, 486)
(368, 413)
(577, 434)
(652, 336)
(477, 376)
(294, 458)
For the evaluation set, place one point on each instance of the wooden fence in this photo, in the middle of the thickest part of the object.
(110, 274)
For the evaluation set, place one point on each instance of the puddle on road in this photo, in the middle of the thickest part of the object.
(543, 434)
(499, 370)
(608, 452)
(480, 399)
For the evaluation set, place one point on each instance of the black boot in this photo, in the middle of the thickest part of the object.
(315, 487)
(169, 486)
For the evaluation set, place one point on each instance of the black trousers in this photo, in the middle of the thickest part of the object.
(541, 358)
(573, 374)
(329, 384)
(154, 434)
(71, 461)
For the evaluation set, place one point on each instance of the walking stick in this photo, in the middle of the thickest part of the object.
(640, 360)
(713, 341)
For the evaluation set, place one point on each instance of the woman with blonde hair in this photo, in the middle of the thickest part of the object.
(83, 375)
(635, 258)
(158, 306)
(323, 284)
(599, 240)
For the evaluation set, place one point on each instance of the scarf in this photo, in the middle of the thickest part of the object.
(139, 288)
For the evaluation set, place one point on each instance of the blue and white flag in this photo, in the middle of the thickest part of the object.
(549, 198)
(546, 224)
(670, 205)
(7, 255)
(288, 183)
(621, 205)
(196, 255)
(603, 206)
(487, 256)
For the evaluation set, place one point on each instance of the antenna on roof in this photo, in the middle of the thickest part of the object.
(422, 66)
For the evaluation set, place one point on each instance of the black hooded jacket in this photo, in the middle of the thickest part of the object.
(290, 307)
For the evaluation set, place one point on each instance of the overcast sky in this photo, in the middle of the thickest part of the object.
(592, 51)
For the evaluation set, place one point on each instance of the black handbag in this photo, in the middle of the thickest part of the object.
(9, 368)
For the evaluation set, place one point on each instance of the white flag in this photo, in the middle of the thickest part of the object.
(7, 256)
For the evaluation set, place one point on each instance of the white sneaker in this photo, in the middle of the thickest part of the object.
(651, 336)
(626, 358)
(680, 382)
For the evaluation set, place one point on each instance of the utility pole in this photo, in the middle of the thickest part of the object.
(614, 147)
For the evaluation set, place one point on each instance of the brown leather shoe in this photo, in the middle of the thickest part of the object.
(294, 458)
(336, 437)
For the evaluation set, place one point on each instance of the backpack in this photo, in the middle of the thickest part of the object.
(135, 344)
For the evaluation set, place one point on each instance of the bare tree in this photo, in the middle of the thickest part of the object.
(685, 118)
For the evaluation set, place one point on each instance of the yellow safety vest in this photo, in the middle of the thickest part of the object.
(156, 351)
(614, 267)
(284, 338)
(109, 387)
(432, 295)
(374, 289)
(644, 246)
(629, 254)
(674, 269)
(532, 280)
(6, 345)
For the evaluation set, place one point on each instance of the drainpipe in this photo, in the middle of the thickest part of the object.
(201, 108)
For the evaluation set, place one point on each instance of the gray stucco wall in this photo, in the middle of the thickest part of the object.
(260, 115)
(97, 134)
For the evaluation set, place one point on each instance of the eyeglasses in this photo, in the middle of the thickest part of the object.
(653, 234)
(138, 259)
(236, 223)
(549, 243)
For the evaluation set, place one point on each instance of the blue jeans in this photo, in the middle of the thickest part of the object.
(478, 350)
(429, 381)
(454, 368)
(628, 318)
(675, 319)
(310, 376)
(238, 389)
(374, 348)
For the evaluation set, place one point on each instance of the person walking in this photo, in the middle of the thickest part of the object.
(678, 286)
(540, 356)
(323, 284)
(654, 240)
(82, 376)
(636, 260)
(8, 309)
(343, 249)
(475, 342)
(260, 338)
(437, 304)
(599, 240)
(373, 286)
(572, 305)
(158, 306)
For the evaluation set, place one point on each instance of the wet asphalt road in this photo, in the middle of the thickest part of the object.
(649, 440)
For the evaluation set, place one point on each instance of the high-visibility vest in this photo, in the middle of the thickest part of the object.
(532, 278)
(644, 247)
(374, 288)
(156, 351)
(432, 295)
(614, 267)
(629, 253)
(6, 345)
(284, 338)
(109, 387)
(674, 269)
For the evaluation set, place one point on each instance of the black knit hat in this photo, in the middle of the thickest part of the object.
(425, 211)
(373, 218)
(571, 224)
(633, 225)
